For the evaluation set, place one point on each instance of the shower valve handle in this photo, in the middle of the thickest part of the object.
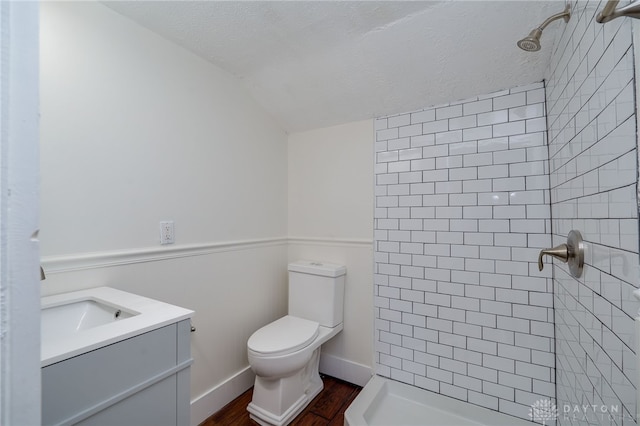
(561, 252)
(572, 253)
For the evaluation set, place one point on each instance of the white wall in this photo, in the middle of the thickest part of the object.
(136, 130)
(330, 219)
(330, 182)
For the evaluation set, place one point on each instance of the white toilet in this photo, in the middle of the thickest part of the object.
(285, 354)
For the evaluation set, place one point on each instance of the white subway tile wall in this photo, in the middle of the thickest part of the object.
(462, 210)
(593, 175)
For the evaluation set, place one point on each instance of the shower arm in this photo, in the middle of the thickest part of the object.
(610, 12)
(566, 14)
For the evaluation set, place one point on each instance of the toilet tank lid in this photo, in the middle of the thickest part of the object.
(318, 268)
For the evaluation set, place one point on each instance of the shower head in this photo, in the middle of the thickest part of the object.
(531, 43)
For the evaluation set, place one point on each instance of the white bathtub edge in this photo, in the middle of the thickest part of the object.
(380, 388)
(354, 415)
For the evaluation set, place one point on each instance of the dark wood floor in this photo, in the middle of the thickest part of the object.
(326, 409)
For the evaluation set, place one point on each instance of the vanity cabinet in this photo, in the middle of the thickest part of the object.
(142, 380)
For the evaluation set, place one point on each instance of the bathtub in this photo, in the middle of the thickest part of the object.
(384, 402)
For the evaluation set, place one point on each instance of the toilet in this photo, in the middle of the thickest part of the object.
(285, 354)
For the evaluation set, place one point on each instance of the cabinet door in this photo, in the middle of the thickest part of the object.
(154, 406)
(78, 387)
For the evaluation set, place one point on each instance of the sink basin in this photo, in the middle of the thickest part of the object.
(61, 321)
(81, 321)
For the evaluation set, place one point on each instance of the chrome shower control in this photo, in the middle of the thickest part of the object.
(572, 252)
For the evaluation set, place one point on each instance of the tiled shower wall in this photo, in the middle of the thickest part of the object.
(593, 157)
(462, 210)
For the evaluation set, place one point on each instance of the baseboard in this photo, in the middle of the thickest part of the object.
(213, 400)
(344, 369)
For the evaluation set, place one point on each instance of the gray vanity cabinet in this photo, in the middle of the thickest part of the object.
(143, 380)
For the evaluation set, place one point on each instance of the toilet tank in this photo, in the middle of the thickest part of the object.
(316, 291)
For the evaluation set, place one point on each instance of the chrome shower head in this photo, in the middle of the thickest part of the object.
(531, 43)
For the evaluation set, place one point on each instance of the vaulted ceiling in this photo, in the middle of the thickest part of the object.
(313, 64)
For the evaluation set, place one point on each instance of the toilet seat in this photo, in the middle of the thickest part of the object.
(283, 336)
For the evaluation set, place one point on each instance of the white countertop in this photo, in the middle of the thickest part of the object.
(151, 315)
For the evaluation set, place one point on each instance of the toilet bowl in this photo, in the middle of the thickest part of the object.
(286, 380)
(285, 354)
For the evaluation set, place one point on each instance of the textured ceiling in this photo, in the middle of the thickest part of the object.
(313, 64)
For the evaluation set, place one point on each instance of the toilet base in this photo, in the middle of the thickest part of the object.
(277, 402)
(266, 418)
